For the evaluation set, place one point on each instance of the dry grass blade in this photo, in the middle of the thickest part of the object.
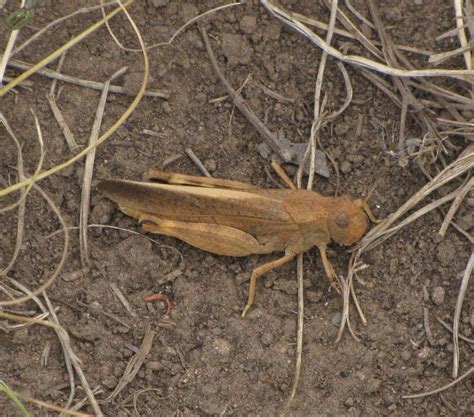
(349, 93)
(48, 406)
(457, 312)
(75, 361)
(13, 397)
(437, 59)
(59, 67)
(21, 173)
(108, 133)
(197, 161)
(8, 51)
(455, 169)
(299, 338)
(60, 265)
(21, 202)
(122, 299)
(100, 310)
(133, 232)
(455, 205)
(49, 73)
(358, 15)
(449, 329)
(458, 9)
(288, 19)
(83, 401)
(347, 293)
(69, 355)
(177, 32)
(74, 41)
(88, 171)
(71, 142)
(56, 22)
(135, 363)
(356, 34)
(318, 117)
(243, 107)
(441, 389)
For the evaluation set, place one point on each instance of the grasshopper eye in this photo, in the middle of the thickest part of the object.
(342, 219)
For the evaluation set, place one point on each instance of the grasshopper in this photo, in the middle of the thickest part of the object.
(234, 218)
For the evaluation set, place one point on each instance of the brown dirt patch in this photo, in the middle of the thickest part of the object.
(211, 362)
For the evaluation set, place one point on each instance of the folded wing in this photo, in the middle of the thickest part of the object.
(256, 211)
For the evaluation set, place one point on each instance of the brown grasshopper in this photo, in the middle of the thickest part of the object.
(235, 218)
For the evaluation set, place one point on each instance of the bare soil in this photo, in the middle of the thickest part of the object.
(206, 360)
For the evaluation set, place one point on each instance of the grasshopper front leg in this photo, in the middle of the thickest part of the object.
(334, 280)
(259, 271)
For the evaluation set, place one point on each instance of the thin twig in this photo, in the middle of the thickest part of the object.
(49, 73)
(441, 389)
(8, 49)
(39, 166)
(288, 19)
(119, 294)
(450, 329)
(197, 161)
(458, 9)
(21, 206)
(135, 363)
(457, 312)
(56, 22)
(455, 205)
(244, 108)
(72, 42)
(89, 170)
(109, 132)
(69, 136)
(59, 67)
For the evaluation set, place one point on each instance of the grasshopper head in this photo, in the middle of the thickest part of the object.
(347, 221)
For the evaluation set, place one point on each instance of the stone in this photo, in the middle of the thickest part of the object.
(236, 49)
(438, 295)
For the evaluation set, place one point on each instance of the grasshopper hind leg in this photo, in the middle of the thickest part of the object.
(258, 272)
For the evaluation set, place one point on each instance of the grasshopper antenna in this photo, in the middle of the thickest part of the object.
(364, 204)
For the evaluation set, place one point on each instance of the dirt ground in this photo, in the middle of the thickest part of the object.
(205, 359)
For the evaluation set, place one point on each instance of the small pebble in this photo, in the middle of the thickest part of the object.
(221, 346)
(158, 3)
(154, 365)
(415, 385)
(248, 24)
(346, 167)
(336, 319)
(267, 339)
(373, 385)
(438, 295)
(354, 412)
(349, 402)
(446, 253)
(466, 222)
(406, 355)
(166, 107)
(388, 398)
(211, 165)
(344, 374)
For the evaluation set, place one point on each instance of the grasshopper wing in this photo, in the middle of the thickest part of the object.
(206, 182)
(258, 212)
